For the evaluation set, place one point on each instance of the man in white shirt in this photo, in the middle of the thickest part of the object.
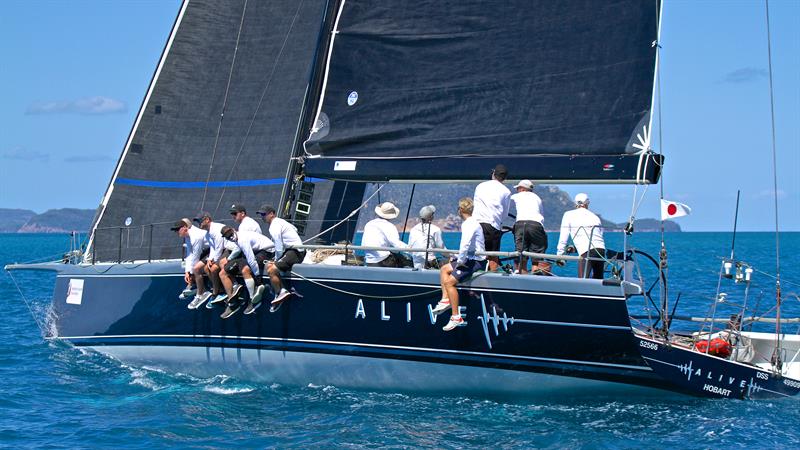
(425, 235)
(529, 234)
(196, 251)
(219, 249)
(284, 235)
(246, 223)
(379, 232)
(462, 266)
(255, 248)
(491, 202)
(586, 231)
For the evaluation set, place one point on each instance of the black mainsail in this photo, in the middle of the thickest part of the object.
(442, 90)
(218, 125)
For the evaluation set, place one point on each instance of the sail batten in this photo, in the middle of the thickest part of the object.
(514, 78)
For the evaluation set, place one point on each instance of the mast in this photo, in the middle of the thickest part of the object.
(776, 356)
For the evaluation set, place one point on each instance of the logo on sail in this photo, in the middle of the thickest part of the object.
(352, 98)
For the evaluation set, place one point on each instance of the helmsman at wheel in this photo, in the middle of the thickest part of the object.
(586, 231)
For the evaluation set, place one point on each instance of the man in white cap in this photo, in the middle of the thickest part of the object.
(586, 232)
(529, 234)
(425, 235)
(491, 201)
(379, 232)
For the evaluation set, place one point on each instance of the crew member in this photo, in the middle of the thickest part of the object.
(462, 266)
(246, 223)
(586, 232)
(379, 232)
(284, 235)
(425, 234)
(491, 202)
(529, 234)
(255, 248)
(219, 249)
(193, 264)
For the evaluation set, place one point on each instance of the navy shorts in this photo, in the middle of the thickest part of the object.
(462, 272)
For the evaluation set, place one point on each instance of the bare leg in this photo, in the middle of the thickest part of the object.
(227, 283)
(523, 264)
(198, 277)
(444, 274)
(213, 273)
(452, 293)
(274, 278)
(494, 263)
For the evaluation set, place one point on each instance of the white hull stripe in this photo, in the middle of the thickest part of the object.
(357, 344)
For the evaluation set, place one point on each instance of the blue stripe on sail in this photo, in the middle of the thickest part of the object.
(202, 184)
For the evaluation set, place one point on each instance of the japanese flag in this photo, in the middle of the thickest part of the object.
(671, 210)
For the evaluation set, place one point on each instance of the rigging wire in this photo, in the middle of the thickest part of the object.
(776, 357)
(354, 212)
(224, 107)
(258, 106)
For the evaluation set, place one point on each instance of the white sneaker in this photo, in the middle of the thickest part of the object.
(455, 321)
(199, 300)
(257, 296)
(282, 295)
(187, 293)
(442, 306)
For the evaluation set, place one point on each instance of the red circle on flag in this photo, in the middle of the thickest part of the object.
(672, 209)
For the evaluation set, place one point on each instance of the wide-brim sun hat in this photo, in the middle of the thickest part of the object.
(387, 210)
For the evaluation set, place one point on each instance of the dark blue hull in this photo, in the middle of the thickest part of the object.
(542, 325)
(704, 375)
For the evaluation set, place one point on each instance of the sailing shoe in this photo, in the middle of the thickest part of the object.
(252, 307)
(235, 291)
(455, 321)
(282, 295)
(442, 306)
(187, 293)
(274, 307)
(257, 296)
(218, 299)
(231, 309)
(199, 300)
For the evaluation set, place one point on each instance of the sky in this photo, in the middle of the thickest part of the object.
(73, 75)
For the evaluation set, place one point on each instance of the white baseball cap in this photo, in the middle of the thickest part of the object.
(581, 199)
(527, 184)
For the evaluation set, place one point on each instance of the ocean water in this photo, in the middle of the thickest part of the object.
(56, 396)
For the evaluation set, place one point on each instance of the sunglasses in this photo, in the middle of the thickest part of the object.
(262, 214)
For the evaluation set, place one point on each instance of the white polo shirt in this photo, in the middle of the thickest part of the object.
(491, 202)
(527, 206)
(585, 229)
(380, 233)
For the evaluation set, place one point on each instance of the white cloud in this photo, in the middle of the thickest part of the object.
(87, 158)
(745, 75)
(86, 105)
(21, 154)
(769, 193)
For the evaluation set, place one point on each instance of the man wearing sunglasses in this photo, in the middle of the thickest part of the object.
(193, 264)
(219, 249)
(246, 223)
(255, 249)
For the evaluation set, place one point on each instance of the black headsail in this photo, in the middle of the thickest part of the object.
(218, 125)
(445, 89)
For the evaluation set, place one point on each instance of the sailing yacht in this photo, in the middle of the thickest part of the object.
(302, 104)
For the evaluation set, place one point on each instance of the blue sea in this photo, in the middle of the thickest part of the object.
(56, 396)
